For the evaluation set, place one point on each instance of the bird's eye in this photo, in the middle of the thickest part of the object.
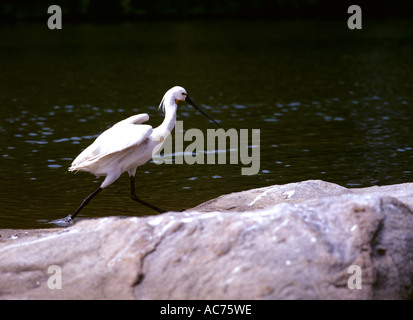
(183, 93)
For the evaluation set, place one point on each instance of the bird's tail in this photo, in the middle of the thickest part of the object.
(71, 169)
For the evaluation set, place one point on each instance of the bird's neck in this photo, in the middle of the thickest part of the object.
(168, 123)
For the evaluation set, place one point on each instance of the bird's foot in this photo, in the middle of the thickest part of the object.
(69, 219)
(64, 222)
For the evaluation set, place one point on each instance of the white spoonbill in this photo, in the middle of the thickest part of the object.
(129, 144)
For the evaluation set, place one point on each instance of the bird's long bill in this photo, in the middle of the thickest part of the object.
(187, 99)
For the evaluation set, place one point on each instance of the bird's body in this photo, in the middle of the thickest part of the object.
(122, 148)
(129, 144)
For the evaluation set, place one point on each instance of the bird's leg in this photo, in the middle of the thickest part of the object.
(134, 197)
(84, 203)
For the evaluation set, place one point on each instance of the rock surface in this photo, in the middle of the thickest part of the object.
(294, 241)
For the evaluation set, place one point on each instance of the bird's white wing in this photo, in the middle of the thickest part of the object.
(121, 136)
(136, 119)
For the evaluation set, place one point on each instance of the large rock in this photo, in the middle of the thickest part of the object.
(295, 241)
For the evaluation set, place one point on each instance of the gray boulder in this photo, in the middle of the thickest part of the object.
(307, 240)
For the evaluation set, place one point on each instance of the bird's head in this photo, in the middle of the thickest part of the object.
(172, 96)
(177, 93)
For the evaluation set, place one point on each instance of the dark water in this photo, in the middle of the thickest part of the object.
(330, 103)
